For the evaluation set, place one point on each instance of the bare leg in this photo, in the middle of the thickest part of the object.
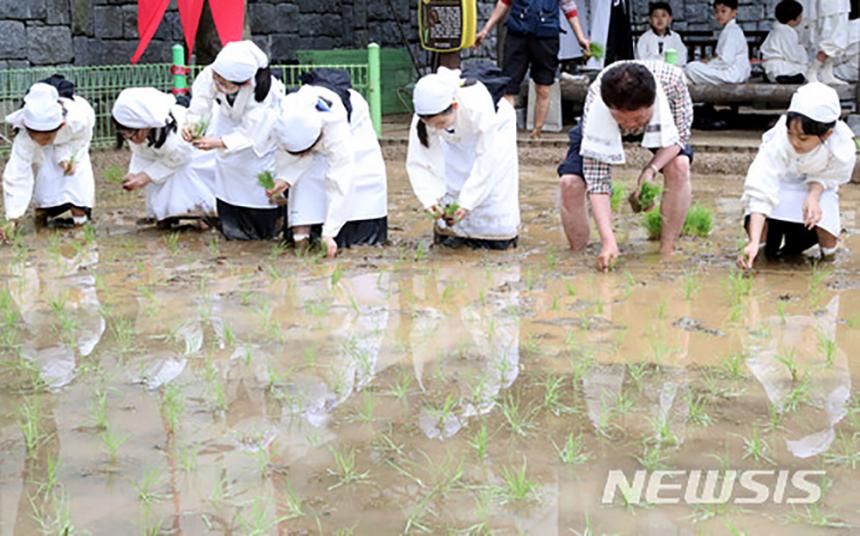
(574, 216)
(827, 242)
(541, 108)
(677, 195)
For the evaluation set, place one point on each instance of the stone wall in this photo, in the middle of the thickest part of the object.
(92, 32)
(698, 14)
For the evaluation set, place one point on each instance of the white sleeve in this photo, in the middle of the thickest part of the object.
(837, 172)
(80, 134)
(425, 167)
(174, 154)
(731, 47)
(642, 52)
(18, 177)
(338, 177)
(202, 97)
(761, 187)
(794, 51)
(481, 181)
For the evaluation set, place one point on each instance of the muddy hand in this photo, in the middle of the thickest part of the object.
(747, 257)
(276, 194)
(330, 246)
(607, 257)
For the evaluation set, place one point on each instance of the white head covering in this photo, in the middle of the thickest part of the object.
(300, 123)
(435, 92)
(238, 61)
(142, 107)
(42, 110)
(816, 101)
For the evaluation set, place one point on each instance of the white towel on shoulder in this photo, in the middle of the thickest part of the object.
(601, 139)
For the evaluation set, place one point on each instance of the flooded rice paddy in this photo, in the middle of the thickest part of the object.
(175, 383)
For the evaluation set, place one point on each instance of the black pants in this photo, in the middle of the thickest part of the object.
(48, 215)
(795, 79)
(456, 242)
(245, 223)
(354, 233)
(786, 238)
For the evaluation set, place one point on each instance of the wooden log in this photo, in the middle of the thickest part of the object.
(575, 88)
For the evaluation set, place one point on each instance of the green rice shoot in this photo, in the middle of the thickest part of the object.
(648, 195)
(596, 50)
(266, 180)
(114, 174)
(698, 223)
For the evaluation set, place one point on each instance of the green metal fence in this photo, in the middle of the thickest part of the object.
(100, 86)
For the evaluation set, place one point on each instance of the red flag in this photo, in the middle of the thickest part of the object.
(229, 17)
(189, 15)
(149, 15)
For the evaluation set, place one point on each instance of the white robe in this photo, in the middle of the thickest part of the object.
(827, 26)
(847, 66)
(50, 187)
(344, 178)
(782, 52)
(732, 64)
(778, 180)
(652, 47)
(475, 164)
(182, 177)
(244, 128)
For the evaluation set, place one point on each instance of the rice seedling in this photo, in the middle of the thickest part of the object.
(816, 282)
(828, 347)
(733, 365)
(597, 51)
(699, 222)
(519, 420)
(619, 194)
(54, 516)
(480, 441)
(114, 174)
(266, 180)
(123, 332)
(697, 412)
(652, 222)
(420, 252)
(172, 406)
(89, 233)
(648, 194)
(845, 450)
(364, 413)
(346, 471)
(221, 489)
(661, 309)
(255, 521)
(263, 460)
(444, 412)
(788, 359)
(214, 247)
(652, 457)
(50, 481)
(798, 394)
(569, 289)
(112, 442)
(780, 311)
(516, 486)
(756, 447)
(186, 457)
(448, 475)
(31, 427)
(812, 515)
(738, 286)
(692, 285)
(171, 240)
(573, 452)
(552, 396)
(295, 505)
(662, 432)
(145, 487)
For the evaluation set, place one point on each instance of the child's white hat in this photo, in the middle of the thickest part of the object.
(300, 123)
(238, 61)
(42, 110)
(816, 101)
(435, 92)
(142, 107)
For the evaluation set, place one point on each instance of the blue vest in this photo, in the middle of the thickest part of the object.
(534, 17)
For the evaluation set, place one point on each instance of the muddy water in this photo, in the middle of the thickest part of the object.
(181, 384)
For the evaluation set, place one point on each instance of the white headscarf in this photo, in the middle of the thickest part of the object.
(816, 101)
(238, 61)
(300, 123)
(42, 110)
(435, 92)
(142, 107)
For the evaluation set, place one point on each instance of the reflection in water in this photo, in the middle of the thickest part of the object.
(824, 380)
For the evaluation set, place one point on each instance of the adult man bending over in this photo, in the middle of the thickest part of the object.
(644, 100)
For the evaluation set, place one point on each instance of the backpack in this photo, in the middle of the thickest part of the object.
(491, 76)
(66, 88)
(336, 80)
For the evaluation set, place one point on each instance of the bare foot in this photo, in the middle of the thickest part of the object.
(535, 134)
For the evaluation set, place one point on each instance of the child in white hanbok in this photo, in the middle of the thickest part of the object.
(462, 161)
(178, 178)
(791, 193)
(732, 64)
(785, 59)
(53, 138)
(236, 101)
(659, 38)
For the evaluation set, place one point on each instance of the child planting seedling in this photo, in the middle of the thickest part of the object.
(647, 197)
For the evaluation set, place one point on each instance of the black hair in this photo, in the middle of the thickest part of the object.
(156, 138)
(809, 126)
(421, 128)
(731, 4)
(654, 6)
(628, 86)
(788, 10)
